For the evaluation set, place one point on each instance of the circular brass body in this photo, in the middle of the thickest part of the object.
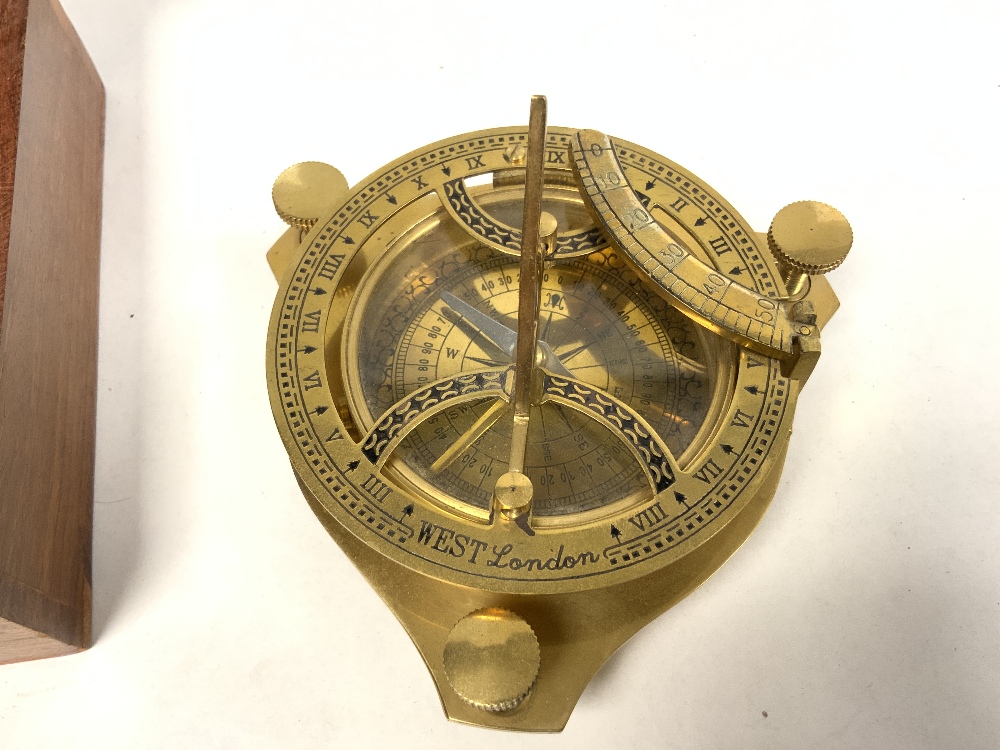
(810, 236)
(306, 191)
(491, 659)
(344, 458)
(406, 329)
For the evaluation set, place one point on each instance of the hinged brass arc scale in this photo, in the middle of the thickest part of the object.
(538, 384)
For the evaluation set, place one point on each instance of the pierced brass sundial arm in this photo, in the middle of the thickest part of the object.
(475, 220)
(642, 440)
(399, 419)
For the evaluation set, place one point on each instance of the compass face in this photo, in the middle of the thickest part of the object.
(392, 363)
(608, 328)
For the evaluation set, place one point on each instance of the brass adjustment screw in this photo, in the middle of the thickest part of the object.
(305, 192)
(491, 659)
(515, 154)
(808, 238)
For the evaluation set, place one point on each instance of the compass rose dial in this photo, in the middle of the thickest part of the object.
(435, 308)
(538, 384)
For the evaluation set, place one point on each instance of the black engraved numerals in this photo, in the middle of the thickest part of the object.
(720, 246)
(309, 322)
(708, 472)
(331, 265)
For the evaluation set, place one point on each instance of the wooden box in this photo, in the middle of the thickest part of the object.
(51, 156)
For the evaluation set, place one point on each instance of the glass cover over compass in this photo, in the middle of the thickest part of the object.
(439, 303)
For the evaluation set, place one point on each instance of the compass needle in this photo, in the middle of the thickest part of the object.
(502, 337)
(500, 379)
(476, 326)
(567, 356)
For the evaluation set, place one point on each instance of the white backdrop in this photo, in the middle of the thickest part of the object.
(863, 613)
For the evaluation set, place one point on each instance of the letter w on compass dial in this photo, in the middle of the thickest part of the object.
(623, 386)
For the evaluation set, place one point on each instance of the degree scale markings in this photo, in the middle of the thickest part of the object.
(577, 283)
(324, 463)
(639, 340)
(699, 290)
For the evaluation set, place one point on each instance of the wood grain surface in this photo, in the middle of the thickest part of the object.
(51, 156)
(13, 21)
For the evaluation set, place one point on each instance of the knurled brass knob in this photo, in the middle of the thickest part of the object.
(491, 659)
(305, 192)
(808, 238)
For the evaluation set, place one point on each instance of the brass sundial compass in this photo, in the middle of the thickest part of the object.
(538, 383)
